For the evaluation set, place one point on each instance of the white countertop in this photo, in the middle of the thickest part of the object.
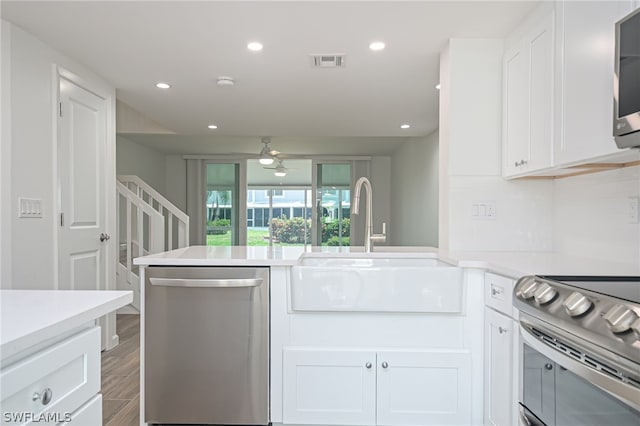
(513, 264)
(28, 317)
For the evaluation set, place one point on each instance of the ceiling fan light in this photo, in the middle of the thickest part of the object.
(280, 173)
(266, 161)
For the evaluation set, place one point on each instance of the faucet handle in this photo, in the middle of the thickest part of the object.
(380, 238)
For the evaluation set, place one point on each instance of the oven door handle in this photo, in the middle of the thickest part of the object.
(526, 420)
(624, 392)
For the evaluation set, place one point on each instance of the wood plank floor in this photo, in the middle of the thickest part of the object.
(121, 375)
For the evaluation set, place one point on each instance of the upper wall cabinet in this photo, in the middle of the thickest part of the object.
(528, 98)
(558, 88)
(585, 49)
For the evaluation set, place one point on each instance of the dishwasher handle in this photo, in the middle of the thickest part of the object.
(206, 282)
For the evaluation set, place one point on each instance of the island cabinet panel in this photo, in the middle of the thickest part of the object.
(353, 387)
(329, 387)
(424, 388)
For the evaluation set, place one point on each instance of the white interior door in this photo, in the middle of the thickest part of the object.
(82, 193)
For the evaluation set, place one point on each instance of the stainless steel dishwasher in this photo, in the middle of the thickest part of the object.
(207, 345)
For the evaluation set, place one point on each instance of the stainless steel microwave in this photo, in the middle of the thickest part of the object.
(626, 86)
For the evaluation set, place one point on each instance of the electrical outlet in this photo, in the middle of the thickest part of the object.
(30, 207)
(634, 206)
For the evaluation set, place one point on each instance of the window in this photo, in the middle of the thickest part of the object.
(221, 204)
(333, 201)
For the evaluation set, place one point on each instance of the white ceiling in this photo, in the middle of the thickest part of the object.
(188, 44)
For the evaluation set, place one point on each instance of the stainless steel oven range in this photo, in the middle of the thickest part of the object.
(580, 350)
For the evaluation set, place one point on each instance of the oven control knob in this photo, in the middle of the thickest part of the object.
(527, 291)
(544, 293)
(577, 304)
(636, 327)
(620, 318)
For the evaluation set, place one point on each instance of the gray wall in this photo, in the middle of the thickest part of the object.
(136, 159)
(414, 192)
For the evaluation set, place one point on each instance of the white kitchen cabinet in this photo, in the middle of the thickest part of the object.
(424, 388)
(499, 404)
(55, 381)
(528, 85)
(352, 387)
(325, 387)
(501, 359)
(585, 46)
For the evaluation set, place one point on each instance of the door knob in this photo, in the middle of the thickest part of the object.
(104, 237)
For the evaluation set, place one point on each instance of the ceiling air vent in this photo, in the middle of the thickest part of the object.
(328, 61)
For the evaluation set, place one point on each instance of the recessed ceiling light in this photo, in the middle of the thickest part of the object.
(405, 126)
(376, 45)
(212, 126)
(438, 86)
(255, 46)
(163, 85)
(225, 80)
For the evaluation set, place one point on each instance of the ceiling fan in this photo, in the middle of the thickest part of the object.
(267, 154)
(280, 169)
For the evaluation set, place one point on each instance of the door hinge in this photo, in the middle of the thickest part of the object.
(61, 219)
(61, 114)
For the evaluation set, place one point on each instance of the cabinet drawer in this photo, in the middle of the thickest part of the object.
(498, 293)
(90, 414)
(67, 372)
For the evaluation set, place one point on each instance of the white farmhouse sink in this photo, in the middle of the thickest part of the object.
(375, 282)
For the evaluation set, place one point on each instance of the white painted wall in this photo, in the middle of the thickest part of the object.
(381, 185)
(591, 215)
(140, 160)
(470, 159)
(176, 181)
(414, 192)
(28, 93)
(5, 159)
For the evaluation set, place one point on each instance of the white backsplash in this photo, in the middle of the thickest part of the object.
(523, 217)
(591, 215)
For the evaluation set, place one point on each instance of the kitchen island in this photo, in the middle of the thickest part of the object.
(340, 357)
(50, 354)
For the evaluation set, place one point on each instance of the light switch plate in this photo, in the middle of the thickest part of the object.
(483, 210)
(29, 207)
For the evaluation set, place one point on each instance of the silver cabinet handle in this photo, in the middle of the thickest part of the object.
(45, 397)
(502, 330)
(385, 364)
(104, 237)
(368, 365)
(548, 366)
(221, 282)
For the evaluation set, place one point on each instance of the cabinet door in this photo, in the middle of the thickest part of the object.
(586, 77)
(540, 48)
(498, 369)
(327, 387)
(515, 113)
(424, 388)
